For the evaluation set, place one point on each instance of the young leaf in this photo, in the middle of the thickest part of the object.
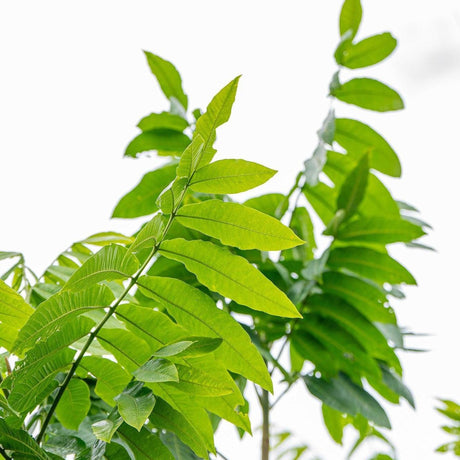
(140, 201)
(217, 113)
(194, 309)
(230, 275)
(369, 94)
(350, 17)
(157, 371)
(369, 51)
(74, 404)
(379, 230)
(358, 138)
(165, 140)
(237, 225)
(370, 264)
(230, 176)
(354, 187)
(110, 263)
(135, 404)
(301, 223)
(168, 78)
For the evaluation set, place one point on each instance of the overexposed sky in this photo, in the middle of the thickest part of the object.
(74, 84)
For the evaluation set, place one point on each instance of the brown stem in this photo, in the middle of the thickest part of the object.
(265, 402)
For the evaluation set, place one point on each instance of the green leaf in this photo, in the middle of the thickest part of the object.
(369, 94)
(149, 234)
(323, 200)
(368, 52)
(135, 404)
(105, 429)
(334, 422)
(302, 224)
(60, 309)
(166, 418)
(370, 264)
(326, 132)
(343, 395)
(179, 450)
(217, 113)
(358, 138)
(273, 204)
(230, 176)
(141, 200)
(110, 263)
(111, 378)
(237, 225)
(194, 347)
(314, 165)
(14, 313)
(21, 443)
(144, 444)
(168, 78)
(379, 230)
(163, 120)
(164, 140)
(354, 187)
(172, 196)
(74, 404)
(105, 238)
(190, 158)
(195, 310)
(157, 371)
(230, 275)
(173, 349)
(350, 17)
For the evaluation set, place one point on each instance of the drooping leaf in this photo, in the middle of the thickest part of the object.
(163, 140)
(230, 275)
(74, 404)
(370, 264)
(350, 17)
(110, 263)
(342, 394)
(369, 94)
(217, 113)
(368, 52)
(237, 225)
(144, 444)
(141, 200)
(379, 230)
(358, 138)
(168, 78)
(334, 421)
(135, 404)
(194, 309)
(230, 176)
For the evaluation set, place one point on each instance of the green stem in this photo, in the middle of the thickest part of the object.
(265, 402)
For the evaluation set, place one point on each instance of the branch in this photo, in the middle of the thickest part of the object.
(4, 454)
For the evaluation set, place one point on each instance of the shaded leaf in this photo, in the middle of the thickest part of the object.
(74, 404)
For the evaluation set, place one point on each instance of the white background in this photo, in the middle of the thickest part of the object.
(74, 83)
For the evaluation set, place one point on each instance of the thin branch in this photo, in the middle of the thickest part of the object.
(4, 454)
(221, 455)
(273, 404)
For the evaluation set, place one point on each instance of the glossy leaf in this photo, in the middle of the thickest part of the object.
(140, 201)
(358, 138)
(74, 404)
(237, 225)
(110, 263)
(369, 94)
(230, 275)
(230, 176)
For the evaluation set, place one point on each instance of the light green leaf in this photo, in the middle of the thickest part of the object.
(144, 444)
(14, 313)
(163, 120)
(195, 310)
(21, 443)
(74, 404)
(303, 226)
(237, 225)
(105, 429)
(105, 238)
(354, 188)
(334, 422)
(157, 371)
(369, 94)
(165, 140)
(149, 234)
(173, 349)
(168, 78)
(140, 201)
(379, 230)
(111, 378)
(217, 113)
(135, 404)
(350, 17)
(323, 200)
(110, 263)
(273, 204)
(370, 264)
(171, 197)
(230, 275)
(343, 395)
(58, 310)
(369, 51)
(358, 138)
(190, 158)
(230, 176)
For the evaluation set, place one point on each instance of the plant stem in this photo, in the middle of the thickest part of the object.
(265, 402)
(4, 454)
